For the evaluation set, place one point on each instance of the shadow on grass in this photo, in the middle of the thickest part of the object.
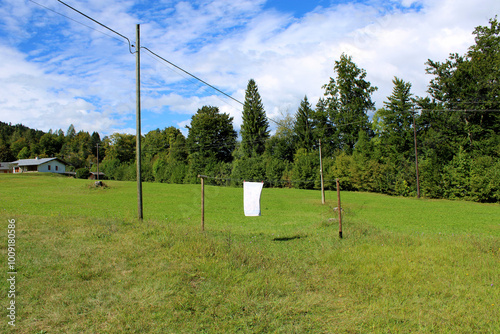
(289, 238)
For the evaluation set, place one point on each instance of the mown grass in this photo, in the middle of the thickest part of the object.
(86, 265)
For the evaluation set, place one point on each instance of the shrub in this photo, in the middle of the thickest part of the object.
(82, 173)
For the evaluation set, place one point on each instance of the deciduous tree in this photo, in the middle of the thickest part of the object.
(348, 99)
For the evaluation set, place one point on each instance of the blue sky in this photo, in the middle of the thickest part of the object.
(58, 68)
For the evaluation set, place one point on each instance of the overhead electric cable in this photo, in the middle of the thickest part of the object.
(69, 18)
(192, 75)
(186, 77)
(99, 23)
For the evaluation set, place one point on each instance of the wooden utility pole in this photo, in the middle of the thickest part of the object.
(138, 120)
(97, 161)
(321, 174)
(202, 177)
(339, 209)
(416, 153)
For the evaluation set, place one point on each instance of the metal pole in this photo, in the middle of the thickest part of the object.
(321, 174)
(416, 153)
(138, 120)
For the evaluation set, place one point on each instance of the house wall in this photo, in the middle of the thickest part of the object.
(44, 168)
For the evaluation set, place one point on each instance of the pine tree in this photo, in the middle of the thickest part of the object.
(255, 127)
(396, 122)
(304, 127)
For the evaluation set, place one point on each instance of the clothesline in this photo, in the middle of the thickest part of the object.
(262, 180)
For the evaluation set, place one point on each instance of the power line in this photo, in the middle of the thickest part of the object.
(69, 18)
(183, 76)
(464, 110)
(192, 75)
(99, 23)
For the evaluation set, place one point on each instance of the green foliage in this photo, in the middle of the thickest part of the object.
(211, 136)
(156, 141)
(117, 170)
(276, 171)
(469, 84)
(366, 172)
(456, 176)
(211, 140)
(281, 144)
(305, 169)
(17, 146)
(485, 180)
(5, 152)
(82, 173)
(121, 147)
(248, 169)
(24, 153)
(168, 170)
(348, 101)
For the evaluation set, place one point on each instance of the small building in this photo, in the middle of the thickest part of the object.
(93, 176)
(44, 165)
(5, 167)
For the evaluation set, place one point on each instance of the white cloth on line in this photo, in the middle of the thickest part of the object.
(251, 197)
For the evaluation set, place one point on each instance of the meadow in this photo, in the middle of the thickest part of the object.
(86, 264)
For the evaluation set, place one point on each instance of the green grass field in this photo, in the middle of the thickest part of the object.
(85, 264)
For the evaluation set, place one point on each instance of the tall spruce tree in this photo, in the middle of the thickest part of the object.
(255, 127)
(304, 126)
(396, 122)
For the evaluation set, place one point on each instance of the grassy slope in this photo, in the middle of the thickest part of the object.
(86, 265)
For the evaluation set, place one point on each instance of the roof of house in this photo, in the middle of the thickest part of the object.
(5, 165)
(35, 162)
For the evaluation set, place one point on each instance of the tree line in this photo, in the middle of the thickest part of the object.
(456, 129)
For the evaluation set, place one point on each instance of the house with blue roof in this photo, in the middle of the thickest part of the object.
(41, 165)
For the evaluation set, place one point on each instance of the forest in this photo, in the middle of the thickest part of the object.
(452, 135)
